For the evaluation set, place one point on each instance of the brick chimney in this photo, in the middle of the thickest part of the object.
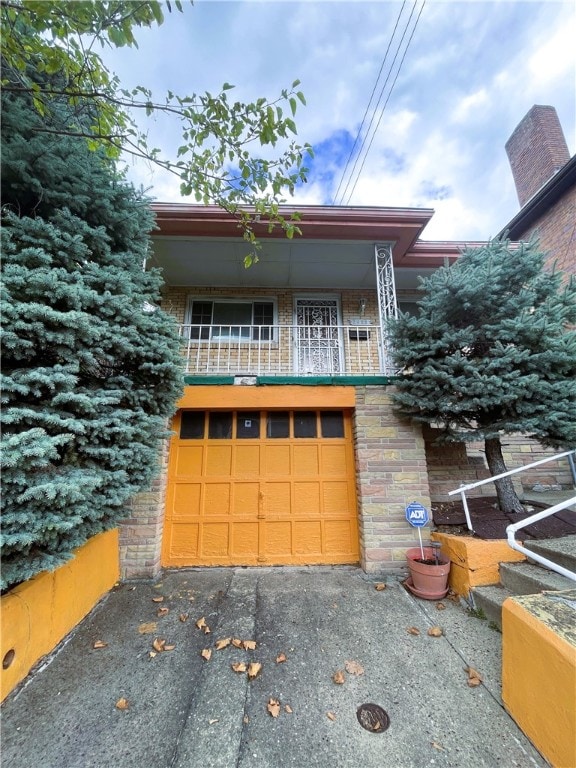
(536, 150)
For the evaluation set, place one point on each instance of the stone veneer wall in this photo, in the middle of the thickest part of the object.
(141, 532)
(391, 472)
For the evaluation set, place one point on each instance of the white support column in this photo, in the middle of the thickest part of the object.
(387, 304)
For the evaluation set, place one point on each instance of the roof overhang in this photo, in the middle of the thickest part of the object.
(203, 246)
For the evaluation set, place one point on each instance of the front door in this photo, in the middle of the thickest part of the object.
(317, 337)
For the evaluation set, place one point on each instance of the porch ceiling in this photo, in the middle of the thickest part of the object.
(199, 245)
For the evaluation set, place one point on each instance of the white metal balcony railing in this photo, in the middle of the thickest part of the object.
(285, 350)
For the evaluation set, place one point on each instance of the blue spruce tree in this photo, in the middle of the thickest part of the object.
(491, 352)
(91, 370)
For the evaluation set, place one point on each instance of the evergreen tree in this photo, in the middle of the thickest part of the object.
(91, 372)
(492, 351)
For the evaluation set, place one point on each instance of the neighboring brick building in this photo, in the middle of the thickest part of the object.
(545, 178)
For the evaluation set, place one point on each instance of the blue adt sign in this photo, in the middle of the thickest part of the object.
(417, 515)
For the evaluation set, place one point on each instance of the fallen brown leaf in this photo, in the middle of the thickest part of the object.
(353, 668)
(158, 599)
(236, 643)
(435, 632)
(440, 607)
(273, 707)
(206, 654)
(201, 623)
(474, 677)
(288, 709)
(249, 645)
(239, 666)
(162, 611)
(152, 654)
(122, 703)
(281, 658)
(100, 644)
(437, 746)
(159, 644)
(183, 617)
(169, 647)
(224, 643)
(206, 630)
(380, 586)
(254, 669)
(148, 627)
(338, 677)
(413, 631)
(331, 716)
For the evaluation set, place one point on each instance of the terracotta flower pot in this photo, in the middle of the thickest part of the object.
(427, 580)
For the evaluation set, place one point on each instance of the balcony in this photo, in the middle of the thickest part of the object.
(284, 350)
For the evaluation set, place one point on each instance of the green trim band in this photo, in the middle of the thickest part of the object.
(307, 381)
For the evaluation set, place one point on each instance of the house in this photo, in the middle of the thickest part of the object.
(545, 179)
(285, 447)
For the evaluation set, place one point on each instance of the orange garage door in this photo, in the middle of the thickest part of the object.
(261, 488)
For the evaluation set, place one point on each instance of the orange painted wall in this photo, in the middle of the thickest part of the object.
(38, 614)
(539, 673)
(290, 396)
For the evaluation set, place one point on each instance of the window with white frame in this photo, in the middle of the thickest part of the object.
(231, 319)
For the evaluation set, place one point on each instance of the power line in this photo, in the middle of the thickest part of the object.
(359, 133)
(346, 202)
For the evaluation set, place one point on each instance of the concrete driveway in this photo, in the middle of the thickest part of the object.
(183, 710)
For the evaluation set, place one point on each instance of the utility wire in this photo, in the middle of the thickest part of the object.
(346, 202)
(359, 133)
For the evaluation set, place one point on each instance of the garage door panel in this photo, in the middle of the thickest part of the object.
(247, 460)
(214, 541)
(277, 498)
(246, 499)
(306, 498)
(250, 499)
(183, 541)
(276, 540)
(277, 459)
(339, 536)
(306, 460)
(185, 500)
(218, 459)
(307, 537)
(244, 542)
(334, 459)
(216, 499)
(336, 497)
(188, 460)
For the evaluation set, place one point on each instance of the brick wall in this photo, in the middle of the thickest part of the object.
(556, 231)
(391, 472)
(141, 532)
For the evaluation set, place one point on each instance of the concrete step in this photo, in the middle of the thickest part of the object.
(561, 551)
(488, 602)
(528, 579)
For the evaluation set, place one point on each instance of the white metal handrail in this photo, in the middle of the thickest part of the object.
(511, 532)
(463, 488)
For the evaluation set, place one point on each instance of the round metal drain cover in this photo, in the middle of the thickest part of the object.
(373, 718)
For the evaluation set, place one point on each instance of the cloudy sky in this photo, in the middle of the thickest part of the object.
(434, 112)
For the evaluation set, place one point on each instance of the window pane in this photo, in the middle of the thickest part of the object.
(201, 315)
(263, 313)
(305, 424)
(192, 425)
(248, 424)
(278, 424)
(332, 423)
(229, 316)
(220, 425)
